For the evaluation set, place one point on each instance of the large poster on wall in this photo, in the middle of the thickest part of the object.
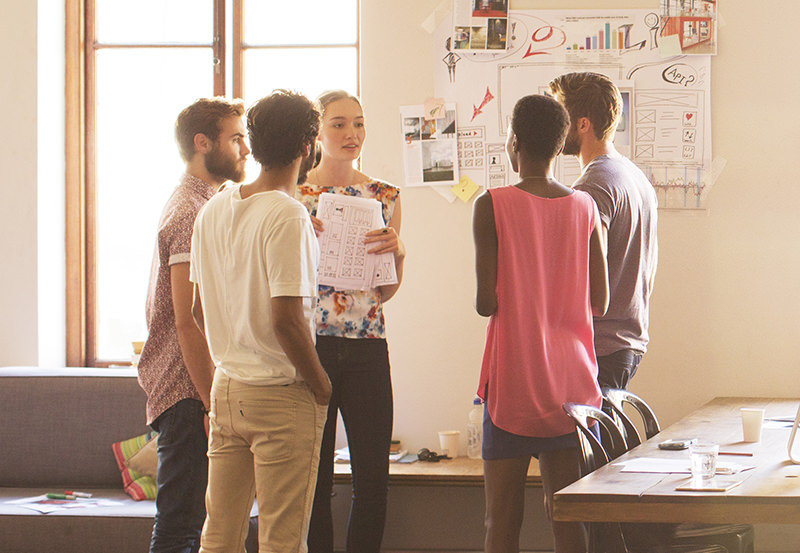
(666, 125)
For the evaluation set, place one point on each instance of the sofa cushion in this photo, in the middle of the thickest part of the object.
(145, 461)
(64, 421)
(138, 486)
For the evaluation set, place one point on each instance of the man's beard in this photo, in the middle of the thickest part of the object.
(572, 146)
(223, 167)
(308, 163)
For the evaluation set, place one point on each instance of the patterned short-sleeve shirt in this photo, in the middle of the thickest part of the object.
(162, 373)
(351, 313)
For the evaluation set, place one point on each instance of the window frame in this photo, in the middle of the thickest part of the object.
(81, 181)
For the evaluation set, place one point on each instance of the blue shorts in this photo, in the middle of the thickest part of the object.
(499, 444)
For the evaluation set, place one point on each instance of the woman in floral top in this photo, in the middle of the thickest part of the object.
(351, 340)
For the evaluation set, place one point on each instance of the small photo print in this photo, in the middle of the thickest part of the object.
(497, 34)
(438, 161)
(447, 124)
(490, 8)
(689, 26)
(428, 128)
(461, 38)
(411, 128)
(477, 38)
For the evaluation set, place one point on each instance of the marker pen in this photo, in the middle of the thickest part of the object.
(78, 494)
(59, 496)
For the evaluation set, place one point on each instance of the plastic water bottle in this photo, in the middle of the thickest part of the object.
(474, 429)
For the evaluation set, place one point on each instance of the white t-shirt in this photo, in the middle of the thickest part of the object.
(245, 252)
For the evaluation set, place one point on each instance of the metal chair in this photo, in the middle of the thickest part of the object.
(641, 537)
(736, 538)
(617, 399)
(604, 537)
(629, 430)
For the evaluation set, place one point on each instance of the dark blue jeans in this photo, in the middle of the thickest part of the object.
(617, 369)
(182, 478)
(362, 392)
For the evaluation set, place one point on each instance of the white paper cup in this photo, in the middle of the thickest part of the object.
(704, 459)
(448, 441)
(752, 420)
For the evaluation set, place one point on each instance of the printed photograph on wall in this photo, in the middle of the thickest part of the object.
(490, 8)
(689, 26)
(480, 25)
(430, 144)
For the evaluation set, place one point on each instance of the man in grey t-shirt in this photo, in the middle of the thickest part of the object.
(628, 209)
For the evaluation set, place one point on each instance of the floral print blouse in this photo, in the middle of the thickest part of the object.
(350, 313)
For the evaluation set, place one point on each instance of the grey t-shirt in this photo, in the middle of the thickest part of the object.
(628, 208)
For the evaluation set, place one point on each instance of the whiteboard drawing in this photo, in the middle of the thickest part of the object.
(666, 124)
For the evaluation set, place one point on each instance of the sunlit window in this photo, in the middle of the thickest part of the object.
(147, 61)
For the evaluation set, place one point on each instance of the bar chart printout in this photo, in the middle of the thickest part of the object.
(606, 38)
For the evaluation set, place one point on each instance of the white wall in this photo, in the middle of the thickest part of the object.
(723, 314)
(18, 233)
(723, 318)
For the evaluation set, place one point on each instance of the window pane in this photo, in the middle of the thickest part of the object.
(311, 71)
(139, 95)
(300, 22)
(307, 70)
(155, 21)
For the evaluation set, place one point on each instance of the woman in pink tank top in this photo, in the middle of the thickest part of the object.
(541, 272)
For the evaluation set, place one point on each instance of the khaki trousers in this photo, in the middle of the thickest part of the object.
(264, 441)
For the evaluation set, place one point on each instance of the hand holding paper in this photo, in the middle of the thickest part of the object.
(350, 225)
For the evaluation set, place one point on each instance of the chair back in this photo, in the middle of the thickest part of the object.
(603, 537)
(619, 397)
(629, 430)
(595, 454)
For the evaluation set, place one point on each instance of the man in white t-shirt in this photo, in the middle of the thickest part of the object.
(254, 264)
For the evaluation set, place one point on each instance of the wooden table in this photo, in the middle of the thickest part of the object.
(770, 493)
(461, 471)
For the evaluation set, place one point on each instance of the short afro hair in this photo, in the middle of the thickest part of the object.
(541, 125)
(280, 126)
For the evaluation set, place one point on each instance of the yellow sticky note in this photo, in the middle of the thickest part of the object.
(669, 46)
(465, 188)
(434, 108)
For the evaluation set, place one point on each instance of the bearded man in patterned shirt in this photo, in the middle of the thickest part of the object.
(175, 368)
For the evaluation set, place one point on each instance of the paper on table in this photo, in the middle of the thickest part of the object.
(343, 455)
(778, 422)
(345, 263)
(675, 466)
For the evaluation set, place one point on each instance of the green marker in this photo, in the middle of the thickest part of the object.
(59, 496)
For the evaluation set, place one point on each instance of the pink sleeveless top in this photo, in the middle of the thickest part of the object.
(540, 343)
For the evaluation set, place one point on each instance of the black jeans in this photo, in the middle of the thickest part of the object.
(182, 478)
(362, 392)
(617, 369)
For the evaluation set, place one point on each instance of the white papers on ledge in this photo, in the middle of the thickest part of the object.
(45, 505)
(675, 466)
(344, 261)
(343, 455)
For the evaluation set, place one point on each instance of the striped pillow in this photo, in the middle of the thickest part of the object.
(137, 485)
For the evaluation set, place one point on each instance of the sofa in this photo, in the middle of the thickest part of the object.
(57, 427)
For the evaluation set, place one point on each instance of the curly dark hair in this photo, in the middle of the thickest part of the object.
(541, 125)
(280, 126)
